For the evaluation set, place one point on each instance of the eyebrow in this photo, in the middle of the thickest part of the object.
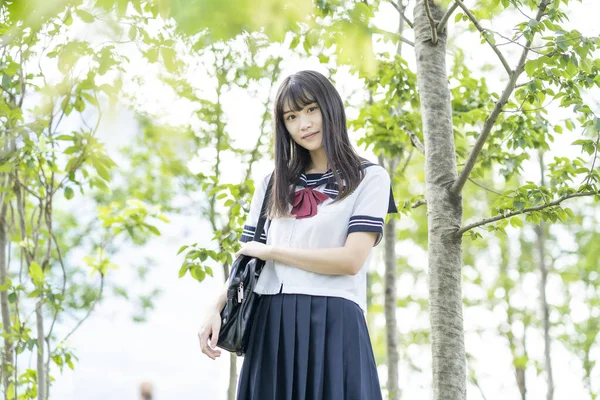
(309, 104)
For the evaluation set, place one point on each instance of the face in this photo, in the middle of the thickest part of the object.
(305, 126)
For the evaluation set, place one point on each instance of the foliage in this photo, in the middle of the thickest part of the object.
(52, 165)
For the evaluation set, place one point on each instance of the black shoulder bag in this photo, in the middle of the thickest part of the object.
(237, 315)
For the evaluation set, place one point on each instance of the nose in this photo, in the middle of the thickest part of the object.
(305, 122)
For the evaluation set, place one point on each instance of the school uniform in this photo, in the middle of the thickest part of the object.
(309, 337)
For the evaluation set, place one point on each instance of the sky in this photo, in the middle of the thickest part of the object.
(116, 355)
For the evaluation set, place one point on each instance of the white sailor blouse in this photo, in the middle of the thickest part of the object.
(317, 223)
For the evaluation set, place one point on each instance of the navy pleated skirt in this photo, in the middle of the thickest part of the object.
(305, 347)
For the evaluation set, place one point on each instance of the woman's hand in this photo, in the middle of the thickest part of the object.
(255, 249)
(210, 329)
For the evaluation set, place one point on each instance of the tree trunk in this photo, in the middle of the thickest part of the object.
(539, 230)
(7, 357)
(521, 383)
(232, 387)
(444, 211)
(391, 324)
(232, 377)
(41, 370)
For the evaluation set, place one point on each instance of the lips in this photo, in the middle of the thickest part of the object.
(309, 135)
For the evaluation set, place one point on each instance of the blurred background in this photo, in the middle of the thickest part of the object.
(133, 132)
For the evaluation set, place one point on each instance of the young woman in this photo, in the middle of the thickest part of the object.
(309, 338)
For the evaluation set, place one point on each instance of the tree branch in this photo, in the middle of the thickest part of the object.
(432, 23)
(416, 142)
(419, 203)
(89, 312)
(21, 210)
(406, 162)
(401, 12)
(22, 78)
(8, 92)
(509, 40)
(393, 35)
(442, 24)
(414, 139)
(587, 179)
(523, 211)
(491, 120)
(523, 84)
(482, 31)
(485, 187)
(474, 376)
(64, 285)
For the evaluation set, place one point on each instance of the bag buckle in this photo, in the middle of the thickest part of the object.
(240, 292)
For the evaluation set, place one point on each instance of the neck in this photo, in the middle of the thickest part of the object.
(318, 160)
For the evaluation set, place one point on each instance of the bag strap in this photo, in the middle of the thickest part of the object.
(263, 210)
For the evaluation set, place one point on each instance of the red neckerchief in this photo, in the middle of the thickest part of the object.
(306, 201)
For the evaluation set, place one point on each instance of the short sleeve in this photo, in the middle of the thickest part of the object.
(253, 216)
(372, 204)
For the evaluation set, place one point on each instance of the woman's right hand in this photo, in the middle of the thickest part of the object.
(210, 330)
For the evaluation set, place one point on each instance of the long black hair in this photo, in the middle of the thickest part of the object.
(291, 159)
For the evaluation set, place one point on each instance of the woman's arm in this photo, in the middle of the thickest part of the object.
(219, 303)
(347, 260)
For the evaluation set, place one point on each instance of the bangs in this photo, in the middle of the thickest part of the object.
(295, 97)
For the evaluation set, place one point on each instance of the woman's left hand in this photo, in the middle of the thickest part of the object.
(255, 249)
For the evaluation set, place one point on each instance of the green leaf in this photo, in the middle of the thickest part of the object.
(182, 248)
(5, 167)
(530, 67)
(122, 7)
(518, 205)
(295, 42)
(169, 58)
(100, 168)
(133, 32)
(582, 142)
(184, 267)
(589, 148)
(64, 137)
(68, 193)
(91, 99)
(153, 229)
(99, 183)
(516, 222)
(105, 4)
(84, 15)
(569, 124)
(152, 54)
(203, 256)
(34, 293)
(57, 360)
(36, 273)
(558, 129)
(198, 273)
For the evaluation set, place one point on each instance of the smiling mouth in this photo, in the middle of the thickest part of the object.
(310, 135)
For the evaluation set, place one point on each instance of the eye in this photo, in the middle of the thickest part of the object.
(290, 116)
(311, 109)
